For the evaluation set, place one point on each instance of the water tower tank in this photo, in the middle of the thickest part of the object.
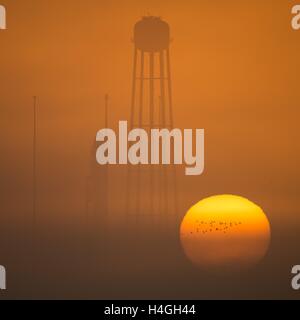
(151, 34)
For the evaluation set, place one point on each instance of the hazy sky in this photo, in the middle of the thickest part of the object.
(235, 70)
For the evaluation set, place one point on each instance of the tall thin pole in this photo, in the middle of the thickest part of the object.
(162, 87)
(106, 110)
(106, 98)
(151, 92)
(141, 111)
(133, 88)
(132, 119)
(172, 126)
(34, 162)
(141, 102)
(164, 124)
(34, 185)
(170, 90)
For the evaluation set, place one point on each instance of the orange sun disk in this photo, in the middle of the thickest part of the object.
(225, 231)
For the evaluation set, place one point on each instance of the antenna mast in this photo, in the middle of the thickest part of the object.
(34, 160)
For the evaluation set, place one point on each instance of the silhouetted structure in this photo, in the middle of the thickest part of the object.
(97, 185)
(34, 173)
(34, 227)
(151, 107)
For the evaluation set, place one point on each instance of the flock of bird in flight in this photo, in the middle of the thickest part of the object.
(214, 226)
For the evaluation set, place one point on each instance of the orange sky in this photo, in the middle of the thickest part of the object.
(235, 70)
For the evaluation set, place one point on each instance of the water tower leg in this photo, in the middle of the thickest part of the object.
(151, 92)
(134, 80)
(172, 126)
(163, 115)
(141, 107)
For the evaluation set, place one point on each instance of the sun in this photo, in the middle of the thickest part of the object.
(225, 232)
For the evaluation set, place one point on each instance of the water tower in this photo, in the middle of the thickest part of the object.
(151, 190)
